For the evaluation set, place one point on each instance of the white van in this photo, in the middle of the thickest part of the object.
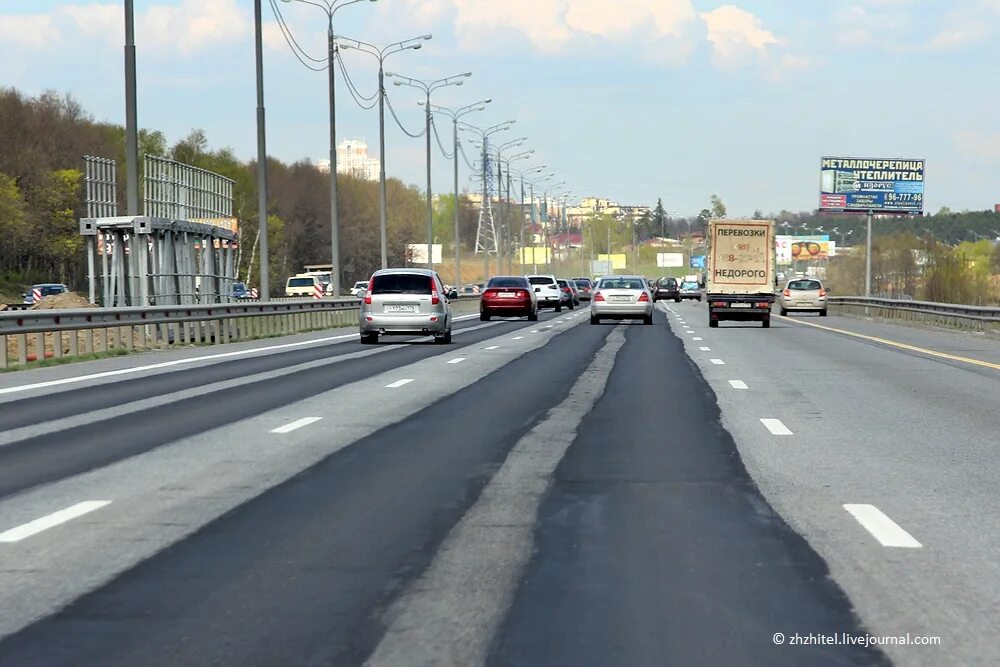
(303, 286)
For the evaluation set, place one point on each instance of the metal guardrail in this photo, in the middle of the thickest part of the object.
(30, 335)
(977, 318)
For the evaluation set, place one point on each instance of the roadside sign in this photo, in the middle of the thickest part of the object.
(860, 185)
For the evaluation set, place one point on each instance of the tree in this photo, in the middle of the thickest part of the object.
(718, 208)
(660, 217)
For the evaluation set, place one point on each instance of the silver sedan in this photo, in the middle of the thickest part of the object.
(621, 297)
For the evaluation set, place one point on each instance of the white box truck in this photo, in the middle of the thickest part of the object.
(741, 261)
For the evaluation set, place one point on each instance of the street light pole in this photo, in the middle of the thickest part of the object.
(381, 54)
(265, 283)
(428, 87)
(331, 7)
(455, 115)
(131, 116)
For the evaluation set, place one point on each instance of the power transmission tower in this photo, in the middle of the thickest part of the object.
(486, 231)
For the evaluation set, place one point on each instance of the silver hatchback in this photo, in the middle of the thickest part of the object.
(621, 297)
(405, 302)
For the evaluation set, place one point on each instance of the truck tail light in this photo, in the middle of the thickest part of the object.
(598, 296)
(368, 294)
(718, 304)
(644, 297)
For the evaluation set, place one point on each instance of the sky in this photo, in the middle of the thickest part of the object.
(631, 100)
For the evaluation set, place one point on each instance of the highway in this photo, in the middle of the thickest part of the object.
(548, 493)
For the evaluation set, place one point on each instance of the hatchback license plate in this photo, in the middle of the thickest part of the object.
(400, 309)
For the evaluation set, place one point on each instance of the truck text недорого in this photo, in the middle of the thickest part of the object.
(741, 259)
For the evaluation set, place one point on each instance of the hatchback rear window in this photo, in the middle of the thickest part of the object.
(581, 282)
(52, 289)
(562, 283)
(301, 282)
(402, 283)
(540, 280)
(804, 285)
(689, 285)
(507, 281)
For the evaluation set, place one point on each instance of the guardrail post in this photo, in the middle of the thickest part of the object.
(74, 343)
(39, 346)
(88, 341)
(57, 342)
(129, 333)
(22, 349)
(3, 352)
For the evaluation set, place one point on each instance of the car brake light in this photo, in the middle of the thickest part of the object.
(787, 292)
(822, 292)
(644, 297)
(762, 304)
(368, 294)
(598, 296)
(435, 297)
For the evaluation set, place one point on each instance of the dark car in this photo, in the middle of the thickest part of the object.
(584, 288)
(667, 288)
(508, 296)
(568, 294)
(240, 291)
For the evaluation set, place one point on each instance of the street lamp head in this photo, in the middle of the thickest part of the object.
(416, 46)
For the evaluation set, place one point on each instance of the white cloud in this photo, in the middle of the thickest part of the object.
(735, 34)
(192, 25)
(28, 31)
(854, 37)
(271, 36)
(97, 21)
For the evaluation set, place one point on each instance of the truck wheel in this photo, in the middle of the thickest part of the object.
(677, 299)
(784, 312)
(648, 319)
(766, 322)
(595, 320)
(713, 324)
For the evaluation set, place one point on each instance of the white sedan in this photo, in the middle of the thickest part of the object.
(621, 298)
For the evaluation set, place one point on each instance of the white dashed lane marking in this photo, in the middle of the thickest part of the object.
(738, 384)
(705, 349)
(776, 427)
(718, 362)
(457, 360)
(26, 530)
(399, 383)
(296, 425)
(882, 528)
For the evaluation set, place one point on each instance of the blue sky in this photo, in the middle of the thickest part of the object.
(625, 99)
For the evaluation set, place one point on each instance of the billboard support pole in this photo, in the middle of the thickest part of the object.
(868, 258)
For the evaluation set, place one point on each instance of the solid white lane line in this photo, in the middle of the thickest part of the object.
(738, 384)
(882, 528)
(296, 425)
(776, 427)
(697, 338)
(51, 520)
(718, 362)
(492, 347)
(457, 361)
(705, 349)
(399, 383)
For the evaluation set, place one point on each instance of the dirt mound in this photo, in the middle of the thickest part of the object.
(64, 301)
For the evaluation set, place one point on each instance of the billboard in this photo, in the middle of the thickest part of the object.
(600, 268)
(791, 248)
(417, 253)
(698, 261)
(535, 255)
(860, 185)
(669, 260)
(618, 261)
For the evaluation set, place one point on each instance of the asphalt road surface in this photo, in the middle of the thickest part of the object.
(549, 493)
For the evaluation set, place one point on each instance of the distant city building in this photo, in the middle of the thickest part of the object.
(353, 160)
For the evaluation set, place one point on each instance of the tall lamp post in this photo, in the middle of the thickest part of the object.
(521, 174)
(381, 53)
(499, 159)
(531, 184)
(456, 115)
(265, 282)
(429, 87)
(508, 221)
(484, 134)
(545, 216)
(330, 7)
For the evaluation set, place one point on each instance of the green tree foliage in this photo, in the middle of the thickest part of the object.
(718, 208)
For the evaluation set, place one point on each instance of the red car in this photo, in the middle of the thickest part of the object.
(508, 296)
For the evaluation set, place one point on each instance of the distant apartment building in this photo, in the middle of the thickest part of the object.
(353, 160)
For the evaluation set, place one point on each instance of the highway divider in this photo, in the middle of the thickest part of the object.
(30, 335)
(956, 316)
